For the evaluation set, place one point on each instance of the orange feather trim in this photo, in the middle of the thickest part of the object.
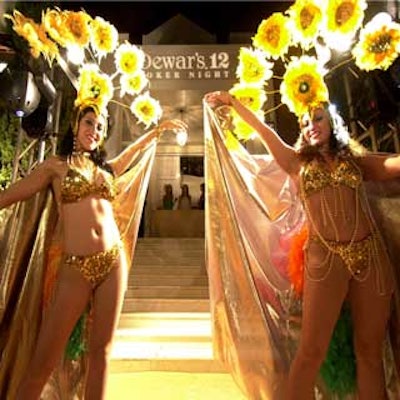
(296, 260)
(53, 261)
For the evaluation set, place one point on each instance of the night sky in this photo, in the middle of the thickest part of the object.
(217, 17)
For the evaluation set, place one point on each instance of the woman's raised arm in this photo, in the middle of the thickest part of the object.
(380, 167)
(122, 162)
(284, 154)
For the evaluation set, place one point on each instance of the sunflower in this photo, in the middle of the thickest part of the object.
(129, 58)
(303, 85)
(104, 37)
(77, 26)
(54, 24)
(242, 129)
(379, 43)
(306, 17)
(48, 48)
(35, 35)
(273, 36)
(94, 87)
(251, 96)
(133, 84)
(253, 68)
(23, 26)
(146, 109)
(343, 18)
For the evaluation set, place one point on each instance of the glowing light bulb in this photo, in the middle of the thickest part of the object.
(75, 54)
(181, 138)
(3, 66)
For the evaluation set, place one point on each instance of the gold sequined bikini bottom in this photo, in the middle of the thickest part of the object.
(360, 258)
(95, 267)
(355, 254)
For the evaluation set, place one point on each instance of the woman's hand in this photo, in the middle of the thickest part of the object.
(175, 125)
(218, 98)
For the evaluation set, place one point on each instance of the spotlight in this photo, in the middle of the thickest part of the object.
(19, 91)
(40, 122)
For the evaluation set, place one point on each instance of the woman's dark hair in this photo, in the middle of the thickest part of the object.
(66, 146)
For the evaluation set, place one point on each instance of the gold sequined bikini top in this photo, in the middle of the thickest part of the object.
(76, 187)
(316, 176)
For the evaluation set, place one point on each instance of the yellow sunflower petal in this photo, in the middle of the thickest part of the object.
(303, 85)
(129, 58)
(306, 18)
(231, 141)
(273, 36)
(253, 68)
(242, 129)
(77, 28)
(343, 19)
(133, 84)
(379, 43)
(104, 37)
(94, 87)
(251, 96)
(146, 109)
(54, 24)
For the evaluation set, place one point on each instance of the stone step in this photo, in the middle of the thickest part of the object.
(173, 323)
(192, 365)
(165, 323)
(171, 385)
(161, 350)
(169, 253)
(165, 305)
(167, 292)
(179, 341)
(167, 247)
(158, 260)
(162, 280)
(167, 270)
(170, 242)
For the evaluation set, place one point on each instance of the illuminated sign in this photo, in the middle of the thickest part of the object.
(189, 66)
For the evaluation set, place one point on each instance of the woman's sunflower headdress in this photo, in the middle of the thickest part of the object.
(313, 28)
(94, 39)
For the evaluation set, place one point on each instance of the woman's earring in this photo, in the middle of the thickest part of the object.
(74, 146)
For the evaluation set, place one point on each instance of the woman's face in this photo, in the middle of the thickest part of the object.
(316, 127)
(91, 131)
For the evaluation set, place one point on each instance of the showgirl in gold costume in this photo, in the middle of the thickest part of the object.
(345, 257)
(93, 267)
(70, 238)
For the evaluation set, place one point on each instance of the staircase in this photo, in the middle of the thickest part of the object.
(163, 346)
(165, 323)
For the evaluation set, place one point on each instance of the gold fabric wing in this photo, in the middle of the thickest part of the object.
(249, 201)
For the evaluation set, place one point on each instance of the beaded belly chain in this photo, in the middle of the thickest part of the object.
(357, 255)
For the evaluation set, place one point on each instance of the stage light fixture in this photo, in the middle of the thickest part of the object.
(19, 91)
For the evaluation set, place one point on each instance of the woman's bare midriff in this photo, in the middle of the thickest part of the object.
(89, 226)
(343, 222)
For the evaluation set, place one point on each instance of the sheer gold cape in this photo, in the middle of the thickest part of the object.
(27, 237)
